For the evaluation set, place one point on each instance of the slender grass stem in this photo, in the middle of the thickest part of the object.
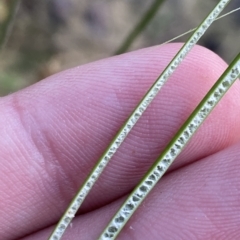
(173, 149)
(6, 26)
(191, 30)
(128, 125)
(147, 17)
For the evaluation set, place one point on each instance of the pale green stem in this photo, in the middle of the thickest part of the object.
(128, 125)
(173, 149)
(145, 20)
(6, 26)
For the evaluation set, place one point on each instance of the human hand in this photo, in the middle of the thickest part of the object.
(53, 132)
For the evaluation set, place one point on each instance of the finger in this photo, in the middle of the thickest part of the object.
(199, 201)
(57, 129)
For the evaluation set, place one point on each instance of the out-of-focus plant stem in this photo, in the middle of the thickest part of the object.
(6, 25)
(145, 20)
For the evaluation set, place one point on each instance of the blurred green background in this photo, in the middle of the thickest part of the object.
(49, 36)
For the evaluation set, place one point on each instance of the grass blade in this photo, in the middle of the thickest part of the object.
(145, 20)
(129, 124)
(173, 149)
(5, 27)
(192, 30)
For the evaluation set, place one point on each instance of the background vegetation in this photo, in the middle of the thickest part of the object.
(52, 35)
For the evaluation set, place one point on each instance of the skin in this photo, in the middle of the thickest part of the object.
(53, 132)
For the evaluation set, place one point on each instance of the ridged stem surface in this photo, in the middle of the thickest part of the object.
(173, 149)
(137, 113)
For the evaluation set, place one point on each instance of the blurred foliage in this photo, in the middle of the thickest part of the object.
(52, 35)
(7, 11)
(141, 25)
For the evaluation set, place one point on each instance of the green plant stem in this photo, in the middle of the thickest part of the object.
(132, 120)
(6, 26)
(192, 30)
(173, 149)
(145, 20)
